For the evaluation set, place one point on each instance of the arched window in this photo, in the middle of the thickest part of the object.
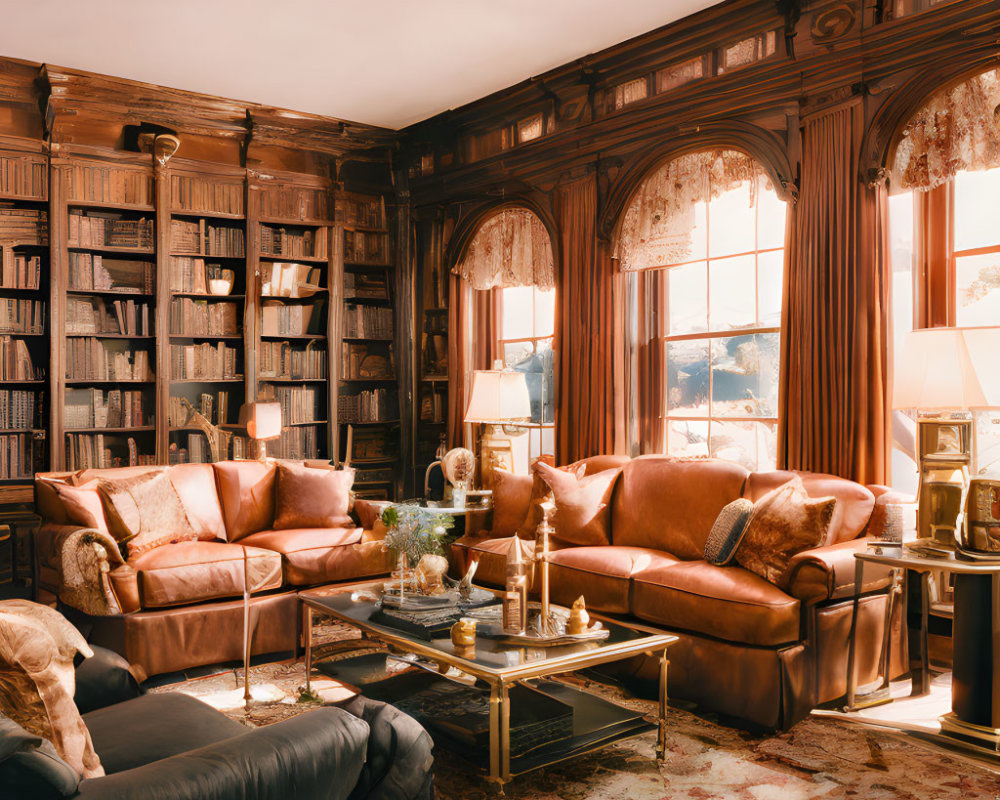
(703, 244)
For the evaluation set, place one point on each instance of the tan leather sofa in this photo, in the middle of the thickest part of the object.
(747, 649)
(180, 605)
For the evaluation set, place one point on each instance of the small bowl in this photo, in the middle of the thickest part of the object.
(220, 286)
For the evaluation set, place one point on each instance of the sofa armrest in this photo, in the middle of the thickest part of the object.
(827, 573)
(368, 512)
(885, 496)
(314, 756)
(85, 557)
(103, 680)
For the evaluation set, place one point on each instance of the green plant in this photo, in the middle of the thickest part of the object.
(414, 531)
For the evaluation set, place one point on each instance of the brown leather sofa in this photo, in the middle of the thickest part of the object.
(180, 605)
(747, 649)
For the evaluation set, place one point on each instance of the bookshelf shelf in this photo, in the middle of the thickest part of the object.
(111, 206)
(237, 379)
(303, 222)
(214, 337)
(102, 381)
(297, 259)
(309, 423)
(130, 429)
(368, 380)
(209, 296)
(301, 337)
(210, 256)
(366, 264)
(137, 251)
(197, 214)
(77, 335)
(268, 379)
(109, 293)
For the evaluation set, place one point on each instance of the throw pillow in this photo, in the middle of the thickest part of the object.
(511, 497)
(310, 497)
(540, 492)
(145, 512)
(784, 522)
(727, 532)
(82, 504)
(246, 489)
(583, 504)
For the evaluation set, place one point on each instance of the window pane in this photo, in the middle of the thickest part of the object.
(731, 293)
(517, 312)
(687, 377)
(731, 223)
(771, 213)
(752, 444)
(535, 361)
(987, 441)
(977, 213)
(745, 375)
(901, 247)
(770, 272)
(688, 299)
(545, 309)
(548, 441)
(687, 438)
(699, 233)
(978, 289)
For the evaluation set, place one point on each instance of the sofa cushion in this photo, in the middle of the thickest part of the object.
(653, 504)
(511, 498)
(195, 485)
(144, 512)
(583, 511)
(725, 602)
(81, 504)
(603, 575)
(246, 490)
(855, 502)
(784, 522)
(189, 572)
(307, 497)
(323, 555)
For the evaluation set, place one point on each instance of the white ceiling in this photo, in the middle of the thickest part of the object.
(384, 62)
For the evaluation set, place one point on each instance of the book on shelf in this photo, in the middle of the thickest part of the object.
(105, 184)
(88, 451)
(296, 443)
(369, 445)
(100, 360)
(298, 403)
(293, 242)
(204, 238)
(22, 226)
(21, 409)
(370, 405)
(194, 275)
(15, 361)
(288, 279)
(366, 286)
(295, 202)
(108, 229)
(367, 322)
(20, 271)
(191, 193)
(90, 272)
(18, 456)
(366, 247)
(191, 317)
(25, 177)
(283, 360)
(94, 408)
(203, 362)
(213, 407)
(363, 212)
(435, 354)
(239, 447)
(293, 319)
(364, 361)
(96, 315)
(21, 315)
(432, 406)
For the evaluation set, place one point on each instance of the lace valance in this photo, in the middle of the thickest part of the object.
(657, 227)
(958, 129)
(511, 248)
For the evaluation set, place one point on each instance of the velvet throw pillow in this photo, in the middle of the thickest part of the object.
(311, 497)
(583, 504)
(512, 496)
(784, 522)
(145, 512)
(82, 504)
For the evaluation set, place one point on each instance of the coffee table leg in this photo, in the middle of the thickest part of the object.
(307, 624)
(499, 734)
(661, 736)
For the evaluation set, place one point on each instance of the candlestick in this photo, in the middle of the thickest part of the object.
(542, 556)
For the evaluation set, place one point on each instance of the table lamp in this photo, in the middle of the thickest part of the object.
(263, 423)
(944, 373)
(499, 398)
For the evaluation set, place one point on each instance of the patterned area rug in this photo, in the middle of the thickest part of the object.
(818, 758)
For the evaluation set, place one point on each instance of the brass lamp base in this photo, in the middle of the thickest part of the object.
(496, 452)
(945, 455)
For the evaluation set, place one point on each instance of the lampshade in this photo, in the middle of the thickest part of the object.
(948, 368)
(263, 420)
(498, 397)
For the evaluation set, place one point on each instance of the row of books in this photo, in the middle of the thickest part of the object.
(17, 456)
(366, 286)
(363, 361)
(196, 452)
(370, 405)
(366, 247)
(20, 271)
(15, 361)
(193, 274)
(88, 451)
(96, 315)
(294, 202)
(296, 443)
(199, 236)
(108, 229)
(203, 362)
(24, 226)
(198, 194)
(213, 407)
(433, 406)
(191, 317)
(293, 242)
(292, 319)
(240, 447)
(101, 184)
(20, 409)
(288, 279)
(367, 322)
(364, 212)
(102, 360)
(24, 177)
(282, 360)
(94, 408)
(299, 403)
(89, 272)
(20, 315)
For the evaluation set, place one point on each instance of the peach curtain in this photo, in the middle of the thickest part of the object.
(834, 410)
(584, 339)
(471, 346)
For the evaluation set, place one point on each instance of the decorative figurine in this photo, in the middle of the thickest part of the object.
(430, 573)
(463, 632)
(515, 599)
(465, 585)
(579, 619)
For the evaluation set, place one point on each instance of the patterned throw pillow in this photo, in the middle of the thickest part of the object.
(784, 522)
(727, 532)
(145, 512)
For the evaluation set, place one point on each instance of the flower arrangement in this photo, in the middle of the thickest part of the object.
(413, 532)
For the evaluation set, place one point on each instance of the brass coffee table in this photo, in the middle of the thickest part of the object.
(503, 666)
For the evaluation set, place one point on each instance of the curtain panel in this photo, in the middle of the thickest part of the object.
(471, 346)
(511, 248)
(584, 338)
(834, 404)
